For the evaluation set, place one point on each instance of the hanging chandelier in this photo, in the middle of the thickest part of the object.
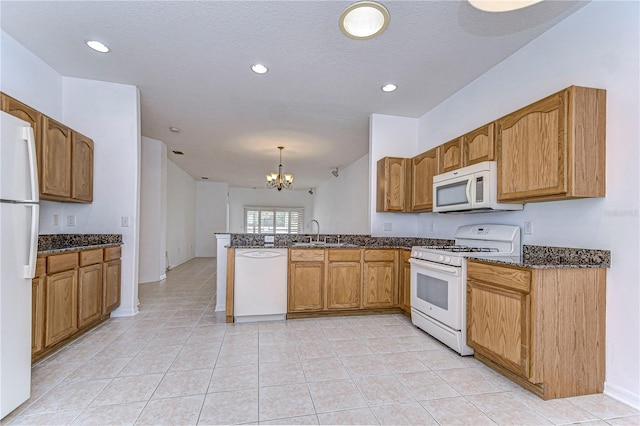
(279, 180)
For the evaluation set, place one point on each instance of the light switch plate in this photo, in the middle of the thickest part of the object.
(71, 220)
(388, 226)
(269, 238)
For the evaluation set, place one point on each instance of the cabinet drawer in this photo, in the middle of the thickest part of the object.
(512, 278)
(344, 255)
(112, 253)
(62, 262)
(379, 255)
(41, 266)
(306, 255)
(90, 257)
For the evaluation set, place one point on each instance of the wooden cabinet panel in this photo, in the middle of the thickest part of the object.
(306, 255)
(450, 156)
(404, 281)
(498, 325)
(512, 278)
(89, 294)
(111, 286)
(61, 306)
(344, 255)
(423, 168)
(379, 284)
(56, 160)
(479, 145)
(379, 255)
(112, 253)
(91, 257)
(392, 185)
(37, 313)
(306, 286)
(62, 262)
(553, 148)
(344, 281)
(82, 168)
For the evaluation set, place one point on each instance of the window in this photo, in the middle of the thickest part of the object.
(272, 220)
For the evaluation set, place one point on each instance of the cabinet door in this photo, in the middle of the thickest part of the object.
(379, 288)
(111, 286)
(31, 116)
(56, 160)
(392, 185)
(478, 145)
(532, 150)
(37, 314)
(344, 282)
(404, 284)
(306, 286)
(450, 156)
(423, 168)
(62, 306)
(498, 325)
(82, 166)
(89, 294)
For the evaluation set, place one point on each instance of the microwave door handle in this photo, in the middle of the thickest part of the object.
(468, 191)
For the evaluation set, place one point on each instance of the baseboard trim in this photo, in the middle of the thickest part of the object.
(125, 312)
(221, 307)
(162, 277)
(622, 395)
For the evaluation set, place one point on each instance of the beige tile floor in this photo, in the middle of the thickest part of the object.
(178, 363)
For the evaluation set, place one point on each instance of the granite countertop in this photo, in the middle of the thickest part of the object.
(546, 257)
(346, 241)
(62, 243)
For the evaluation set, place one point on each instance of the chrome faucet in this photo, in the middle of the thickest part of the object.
(318, 235)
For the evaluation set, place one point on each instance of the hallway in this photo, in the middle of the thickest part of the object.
(178, 363)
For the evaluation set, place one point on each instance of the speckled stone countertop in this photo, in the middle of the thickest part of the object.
(546, 257)
(61, 243)
(351, 241)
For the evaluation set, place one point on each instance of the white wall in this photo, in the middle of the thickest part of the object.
(211, 215)
(598, 46)
(396, 137)
(153, 211)
(181, 215)
(341, 204)
(240, 197)
(27, 78)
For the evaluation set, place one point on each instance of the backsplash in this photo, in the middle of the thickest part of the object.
(285, 240)
(61, 241)
(565, 256)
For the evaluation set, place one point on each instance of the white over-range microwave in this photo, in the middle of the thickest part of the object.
(469, 189)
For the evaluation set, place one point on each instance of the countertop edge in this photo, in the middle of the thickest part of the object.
(77, 248)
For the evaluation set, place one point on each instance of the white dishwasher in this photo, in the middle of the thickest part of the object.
(260, 284)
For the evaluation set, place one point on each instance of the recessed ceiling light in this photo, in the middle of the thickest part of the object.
(501, 5)
(259, 69)
(389, 87)
(174, 129)
(98, 46)
(364, 20)
(178, 152)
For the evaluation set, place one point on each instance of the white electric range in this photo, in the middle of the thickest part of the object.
(439, 279)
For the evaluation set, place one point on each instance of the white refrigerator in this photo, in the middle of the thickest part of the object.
(19, 216)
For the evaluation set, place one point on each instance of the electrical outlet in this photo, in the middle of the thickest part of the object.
(528, 227)
(432, 227)
(56, 220)
(269, 239)
(124, 221)
(388, 226)
(71, 220)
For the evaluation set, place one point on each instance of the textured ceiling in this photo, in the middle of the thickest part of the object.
(191, 61)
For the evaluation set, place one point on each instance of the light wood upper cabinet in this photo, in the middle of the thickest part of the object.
(542, 328)
(553, 148)
(423, 168)
(82, 168)
(344, 281)
(479, 145)
(392, 185)
(380, 281)
(450, 156)
(56, 160)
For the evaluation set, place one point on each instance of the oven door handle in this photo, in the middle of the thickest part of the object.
(451, 270)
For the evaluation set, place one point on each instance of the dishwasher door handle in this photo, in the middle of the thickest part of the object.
(260, 254)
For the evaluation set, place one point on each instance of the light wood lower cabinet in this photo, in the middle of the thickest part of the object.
(62, 306)
(71, 293)
(404, 282)
(542, 328)
(380, 281)
(335, 280)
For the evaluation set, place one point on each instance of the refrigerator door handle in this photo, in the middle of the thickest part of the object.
(30, 267)
(33, 162)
